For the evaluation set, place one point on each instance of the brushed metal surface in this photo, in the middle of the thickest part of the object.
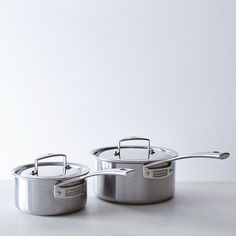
(37, 197)
(133, 190)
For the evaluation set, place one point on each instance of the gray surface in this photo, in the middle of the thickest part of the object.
(197, 209)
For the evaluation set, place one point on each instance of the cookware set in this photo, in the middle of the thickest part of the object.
(128, 173)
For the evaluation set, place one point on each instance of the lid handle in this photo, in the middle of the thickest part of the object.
(49, 155)
(150, 151)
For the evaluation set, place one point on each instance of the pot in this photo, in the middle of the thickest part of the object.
(54, 188)
(154, 180)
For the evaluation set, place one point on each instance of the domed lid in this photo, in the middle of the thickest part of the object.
(133, 153)
(50, 170)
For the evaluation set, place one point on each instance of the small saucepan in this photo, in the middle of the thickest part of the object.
(154, 180)
(55, 188)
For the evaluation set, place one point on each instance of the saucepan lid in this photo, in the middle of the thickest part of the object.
(51, 170)
(129, 152)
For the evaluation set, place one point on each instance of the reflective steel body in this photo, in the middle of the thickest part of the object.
(37, 197)
(134, 190)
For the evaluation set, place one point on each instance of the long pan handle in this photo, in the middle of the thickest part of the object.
(214, 155)
(115, 171)
(62, 190)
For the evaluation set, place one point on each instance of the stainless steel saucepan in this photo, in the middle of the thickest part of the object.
(154, 180)
(54, 188)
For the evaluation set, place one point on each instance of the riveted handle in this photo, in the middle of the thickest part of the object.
(65, 190)
(156, 170)
(46, 156)
(117, 153)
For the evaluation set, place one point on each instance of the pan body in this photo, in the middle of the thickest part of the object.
(134, 190)
(36, 196)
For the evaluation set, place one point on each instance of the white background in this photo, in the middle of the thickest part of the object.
(76, 75)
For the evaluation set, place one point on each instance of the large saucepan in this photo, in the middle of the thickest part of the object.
(54, 188)
(154, 180)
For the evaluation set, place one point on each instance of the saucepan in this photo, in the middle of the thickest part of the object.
(54, 188)
(154, 180)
